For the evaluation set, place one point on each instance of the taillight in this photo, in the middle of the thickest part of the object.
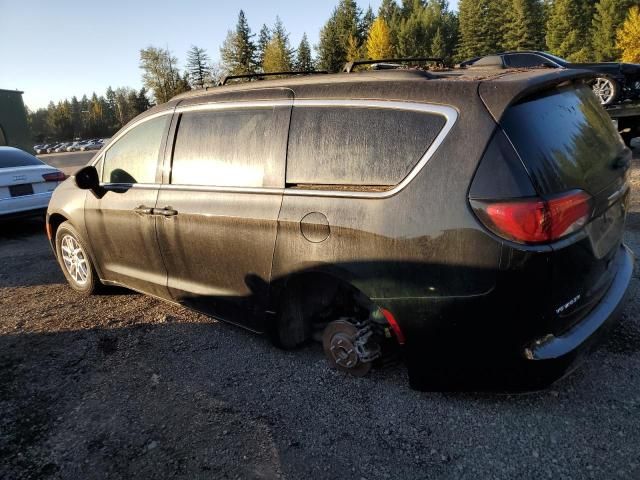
(536, 220)
(54, 177)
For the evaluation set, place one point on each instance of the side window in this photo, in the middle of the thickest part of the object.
(231, 148)
(134, 157)
(3, 138)
(357, 146)
(524, 60)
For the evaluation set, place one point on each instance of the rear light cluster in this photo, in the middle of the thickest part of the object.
(536, 220)
(54, 177)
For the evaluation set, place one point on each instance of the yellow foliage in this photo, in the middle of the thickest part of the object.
(629, 37)
(379, 40)
(353, 49)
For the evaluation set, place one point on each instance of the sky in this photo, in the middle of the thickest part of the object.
(53, 50)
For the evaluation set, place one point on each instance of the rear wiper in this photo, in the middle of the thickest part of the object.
(623, 160)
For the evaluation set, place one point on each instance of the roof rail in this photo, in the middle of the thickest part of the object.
(259, 76)
(348, 67)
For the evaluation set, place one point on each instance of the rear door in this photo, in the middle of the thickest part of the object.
(222, 196)
(567, 142)
(121, 224)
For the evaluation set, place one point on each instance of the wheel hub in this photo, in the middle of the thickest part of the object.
(343, 351)
(350, 348)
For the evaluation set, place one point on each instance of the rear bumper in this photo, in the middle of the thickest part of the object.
(607, 312)
(23, 205)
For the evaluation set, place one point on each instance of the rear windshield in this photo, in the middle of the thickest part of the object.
(566, 140)
(12, 157)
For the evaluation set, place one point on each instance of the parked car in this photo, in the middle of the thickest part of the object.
(97, 145)
(472, 225)
(26, 183)
(75, 146)
(62, 147)
(615, 83)
(40, 149)
(54, 147)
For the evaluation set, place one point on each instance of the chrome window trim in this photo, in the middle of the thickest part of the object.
(138, 186)
(222, 189)
(450, 114)
(200, 107)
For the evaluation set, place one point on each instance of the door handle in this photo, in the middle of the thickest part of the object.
(165, 212)
(142, 210)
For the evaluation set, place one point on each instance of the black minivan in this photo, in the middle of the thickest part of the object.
(470, 224)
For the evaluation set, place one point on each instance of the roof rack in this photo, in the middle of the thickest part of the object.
(259, 76)
(387, 62)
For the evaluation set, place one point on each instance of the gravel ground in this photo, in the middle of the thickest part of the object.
(124, 386)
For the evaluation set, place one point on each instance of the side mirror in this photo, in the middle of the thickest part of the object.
(87, 178)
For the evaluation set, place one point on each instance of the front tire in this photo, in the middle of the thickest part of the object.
(74, 260)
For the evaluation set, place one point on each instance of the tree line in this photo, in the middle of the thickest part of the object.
(579, 30)
(95, 116)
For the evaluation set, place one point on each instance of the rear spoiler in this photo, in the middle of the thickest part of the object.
(500, 92)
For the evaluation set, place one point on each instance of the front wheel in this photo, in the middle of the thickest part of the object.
(74, 260)
(606, 89)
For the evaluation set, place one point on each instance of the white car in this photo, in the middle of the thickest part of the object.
(75, 146)
(26, 183)
(62, 147)
(92, 146)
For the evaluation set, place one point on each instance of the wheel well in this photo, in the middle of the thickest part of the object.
(55, 221)
(309, 301)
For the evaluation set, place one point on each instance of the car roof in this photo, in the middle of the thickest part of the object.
(455, 87)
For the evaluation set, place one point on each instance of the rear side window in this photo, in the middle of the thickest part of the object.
(133, 158)
(357, 146)
(566, 140)
(231, 148)
(12, 157)
(524, 60)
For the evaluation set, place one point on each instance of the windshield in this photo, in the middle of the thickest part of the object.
(557, 59)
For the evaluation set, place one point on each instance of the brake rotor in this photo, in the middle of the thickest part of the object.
(338, 342)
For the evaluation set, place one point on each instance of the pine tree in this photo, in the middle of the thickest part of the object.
(354, 49)
(304, 60)
(569, 28)
(264, 37)
(331, 52)
(379, 40)
(142, 103)
(349, 21)
(628, 37)
(388, 11)
(198, 67)
(481, 27)
(238, 51)
(525, 26)
(278, 54)
(609, 15)
(367, 20)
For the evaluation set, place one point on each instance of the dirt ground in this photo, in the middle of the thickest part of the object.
(125, 386)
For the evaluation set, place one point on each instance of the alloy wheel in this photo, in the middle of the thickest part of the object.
(75, 259)
(604, 90)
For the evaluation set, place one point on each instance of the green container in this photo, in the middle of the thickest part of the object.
(14, 128)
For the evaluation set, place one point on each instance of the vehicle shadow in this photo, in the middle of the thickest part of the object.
(187, 399)
(19, 228)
